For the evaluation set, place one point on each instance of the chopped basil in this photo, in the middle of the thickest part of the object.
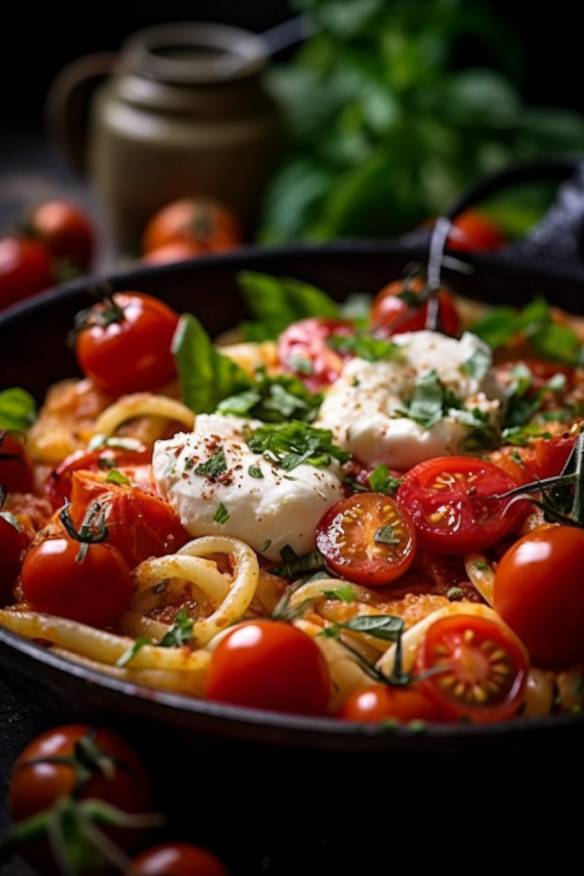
(221, 515)
(520, 436)
(255, 471)
(294, 566)
(455, 594)
(292, 444)
(206, 377)
(341, 594)
(386, 535)
(364, 346)
(266, 546)
(117, 477)
(274, 400)
(382, 626)
(17, 409)
(381, 481)
(215, 466)
(300, 365)
(181, 632)
(131, 652)
(115, 441)
(430, 401)
(275, 302)
(477, 365)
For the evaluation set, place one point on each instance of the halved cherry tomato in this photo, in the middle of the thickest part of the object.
(66, 231)
(270, 665)
(541, 458)
(452, 503)
(303, 350)
(392, 313)
(15, 468)
(177, 859)
(60, 480)
(367, 538)
(201, 222)
(25, 269)
(113, 771)
(475, 231)
(179, 251)
(13, 543)
(382, 702)
(539, 592)
(94, 590)
(476, 668)
(128, 351)
(139, 524)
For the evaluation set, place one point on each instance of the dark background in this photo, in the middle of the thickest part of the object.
(39, 40)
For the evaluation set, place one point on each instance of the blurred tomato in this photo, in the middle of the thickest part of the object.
(474, 231)
(66, 231)
(25, 268)
(201, 222)
(179, 251)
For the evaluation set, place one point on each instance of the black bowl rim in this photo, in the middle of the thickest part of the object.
(312, 731)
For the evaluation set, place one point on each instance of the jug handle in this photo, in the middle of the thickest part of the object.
(67, 104)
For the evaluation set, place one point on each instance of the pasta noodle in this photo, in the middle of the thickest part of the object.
(141, 405)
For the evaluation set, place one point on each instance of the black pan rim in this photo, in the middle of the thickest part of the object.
(311, 731)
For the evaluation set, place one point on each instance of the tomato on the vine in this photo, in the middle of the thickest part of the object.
(453, 503)
(124, 343)
(15, 468)
(395, 310)
(472, 668)
(539, 592)
(303, 350)
(272, 665)
(66, 232)
(367, 538)
(177, 859)
(103, 459)
(96, 764)
(384, 702)
(25, 269)
(202, 223)
(139, 524)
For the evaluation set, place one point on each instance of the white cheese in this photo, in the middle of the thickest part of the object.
(281, 508)
(362, 407)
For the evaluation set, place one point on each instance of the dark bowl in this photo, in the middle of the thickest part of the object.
(33, 354)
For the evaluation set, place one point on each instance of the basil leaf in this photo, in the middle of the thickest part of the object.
(364, 346)
(381, 481)
(383, 626)
(341, 594)
(292, 444)
(131, 652)
(386, 535)
(215, 466)
(294, 566)
(426, 406)
(221, 515)
(206, 377)
(181, 632)
(254, 471)
(17, 409)
(117, 477)
(275, 302)
(477, 365)
(274, 400)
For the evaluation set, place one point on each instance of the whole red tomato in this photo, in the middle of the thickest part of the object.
(475, 231)
(395, 309)
(177, 859)
(66, 232)
(201, 222)
(25, 269)
(179, 251)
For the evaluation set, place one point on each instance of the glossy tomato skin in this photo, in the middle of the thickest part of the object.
(15, 468)
(179, 251)
(133, 355)
(392, 315)
(204, 224)
(35, 787)
(541, 458)
(59, 484)
(66, 231)
(474, 231)
(350, 537)
(484, 669)
(94, 591)
(177, 859)
(382, 702)
(25, 269)
(140, 525)
(539, 593)
(270, 665)
(303, 350)
(450, 500)
(13, 543)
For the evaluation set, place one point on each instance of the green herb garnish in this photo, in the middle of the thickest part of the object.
(131, 652)
(381, 481)
(341, 594)
(17, 410)
(273, 400)
(292, 444)
(294, 566)
(386, 535)
(214, 467)
(181, 632)
(254, 471)
(365, 346)
(276, 302)
(117, 477)
(221, 515)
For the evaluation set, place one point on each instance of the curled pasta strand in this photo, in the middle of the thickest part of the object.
(346, 674)
(191, 566)
(99, 645)
(481, 575)
(142, 404)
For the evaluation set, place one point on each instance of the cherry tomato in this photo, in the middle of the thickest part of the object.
(303, 350)
(25, 269)
(539, 593)
(451, 502)
(393, 314)
(132, 354)
(177, 859)
(367, 538)
(476, 668)
(474, 231)
(15, 468)
(204, 224)
(541, 458)
(117, 774)
(60, 480)
(94, 590)
(179, 251)
(270, 665)
(382, 702)
(66, 231)
(13, 543)
(139, 524)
